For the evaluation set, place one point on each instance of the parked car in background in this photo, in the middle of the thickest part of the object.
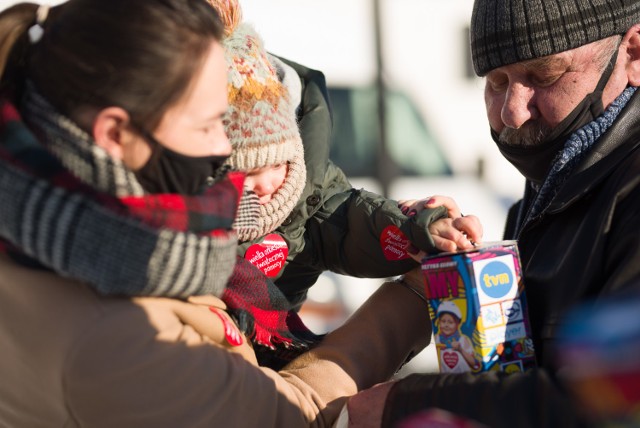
(413, 148)
(414, 155)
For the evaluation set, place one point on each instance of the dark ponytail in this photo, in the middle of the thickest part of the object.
(14, 44)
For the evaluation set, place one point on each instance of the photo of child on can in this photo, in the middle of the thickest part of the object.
(455, 349)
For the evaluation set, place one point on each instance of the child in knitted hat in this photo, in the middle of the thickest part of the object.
(261, 126)
(312, 220)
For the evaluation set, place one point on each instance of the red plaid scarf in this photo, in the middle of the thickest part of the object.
(253, 300)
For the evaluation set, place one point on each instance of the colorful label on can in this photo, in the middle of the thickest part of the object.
(478, 311)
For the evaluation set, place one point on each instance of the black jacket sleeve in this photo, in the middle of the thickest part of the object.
(526, 400)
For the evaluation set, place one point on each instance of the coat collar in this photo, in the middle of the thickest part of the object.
(616, 144)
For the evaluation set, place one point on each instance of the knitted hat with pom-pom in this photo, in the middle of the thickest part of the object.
(261, 119)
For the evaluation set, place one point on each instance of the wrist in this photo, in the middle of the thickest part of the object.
(413, 280)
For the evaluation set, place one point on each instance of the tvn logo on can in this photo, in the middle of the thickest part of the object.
(496, 278)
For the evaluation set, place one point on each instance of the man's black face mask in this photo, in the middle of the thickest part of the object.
(535, 161)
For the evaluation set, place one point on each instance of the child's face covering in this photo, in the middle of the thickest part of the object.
(266, 181)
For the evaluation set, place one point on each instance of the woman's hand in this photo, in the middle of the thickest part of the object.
(207, 315)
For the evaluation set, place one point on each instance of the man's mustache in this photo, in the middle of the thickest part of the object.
(529, 134)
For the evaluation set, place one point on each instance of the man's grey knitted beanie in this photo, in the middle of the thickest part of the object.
(507, 31)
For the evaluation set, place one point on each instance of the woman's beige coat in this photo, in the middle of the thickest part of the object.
(71, 358)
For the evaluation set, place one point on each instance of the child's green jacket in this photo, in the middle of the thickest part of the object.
(334, 226)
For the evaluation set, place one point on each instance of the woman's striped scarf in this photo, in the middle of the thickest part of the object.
(69, 207)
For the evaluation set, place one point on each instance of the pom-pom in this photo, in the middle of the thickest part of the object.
(230, 13)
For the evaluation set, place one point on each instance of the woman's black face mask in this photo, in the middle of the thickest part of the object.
(168, 171)
(535, 161)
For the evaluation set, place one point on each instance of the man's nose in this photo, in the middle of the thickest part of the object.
(518, 107)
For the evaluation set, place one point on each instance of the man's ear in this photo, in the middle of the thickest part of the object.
(632, 37)
(111, 131)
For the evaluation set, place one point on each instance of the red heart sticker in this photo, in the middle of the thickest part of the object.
(450, 358)
(269, 255)
(394, 243)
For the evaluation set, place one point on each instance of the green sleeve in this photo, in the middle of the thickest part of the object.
(351, 230)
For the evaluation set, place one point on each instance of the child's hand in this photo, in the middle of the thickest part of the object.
(449, 234)
(452, 234)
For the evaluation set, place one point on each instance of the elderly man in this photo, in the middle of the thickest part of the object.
(561, 78)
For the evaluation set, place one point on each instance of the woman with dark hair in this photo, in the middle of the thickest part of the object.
(112, 195)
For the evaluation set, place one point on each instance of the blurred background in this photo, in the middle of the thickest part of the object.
(409, 116)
